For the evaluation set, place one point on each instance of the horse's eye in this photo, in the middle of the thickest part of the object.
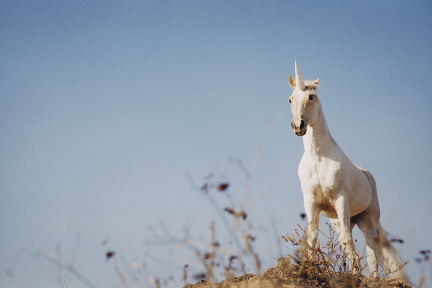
(311, 97)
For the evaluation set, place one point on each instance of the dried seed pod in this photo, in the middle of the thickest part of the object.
(110, 254)
(222, 186)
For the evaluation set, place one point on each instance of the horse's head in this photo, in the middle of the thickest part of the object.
(304, 103)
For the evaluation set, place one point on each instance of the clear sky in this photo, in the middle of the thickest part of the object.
(105, 104)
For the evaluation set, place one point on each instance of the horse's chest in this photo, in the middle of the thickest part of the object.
(329, 174)
(321, 175)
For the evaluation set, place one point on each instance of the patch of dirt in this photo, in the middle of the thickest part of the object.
(245, 281)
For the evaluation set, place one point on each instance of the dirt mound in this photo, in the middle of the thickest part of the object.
(288, 275)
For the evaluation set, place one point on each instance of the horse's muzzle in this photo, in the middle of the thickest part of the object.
(299, 130)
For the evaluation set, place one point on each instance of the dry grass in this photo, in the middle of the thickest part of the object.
(323, 266)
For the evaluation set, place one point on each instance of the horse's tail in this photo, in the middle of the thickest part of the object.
(388, 257)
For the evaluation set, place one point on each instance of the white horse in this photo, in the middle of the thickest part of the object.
(334, 187)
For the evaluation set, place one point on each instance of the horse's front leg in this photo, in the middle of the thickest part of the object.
(337, 227)
(312, 212)
(345, 236)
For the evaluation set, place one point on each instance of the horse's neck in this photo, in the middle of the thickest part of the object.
(318, 139)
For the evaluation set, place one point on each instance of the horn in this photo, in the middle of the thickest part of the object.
(299, 80)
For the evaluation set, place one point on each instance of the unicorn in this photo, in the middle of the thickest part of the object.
(334, 187)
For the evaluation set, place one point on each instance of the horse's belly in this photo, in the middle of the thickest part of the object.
(356, 204)
(327, 209)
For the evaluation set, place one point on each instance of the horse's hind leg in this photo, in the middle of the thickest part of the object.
(366, 222)
(379, 248)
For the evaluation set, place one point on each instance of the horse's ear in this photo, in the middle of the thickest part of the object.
(313, 84)
(291, 82)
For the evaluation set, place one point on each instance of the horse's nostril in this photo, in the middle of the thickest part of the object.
(301, 124)
(292, 125)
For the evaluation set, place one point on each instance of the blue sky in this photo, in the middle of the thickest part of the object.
(105, 105)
